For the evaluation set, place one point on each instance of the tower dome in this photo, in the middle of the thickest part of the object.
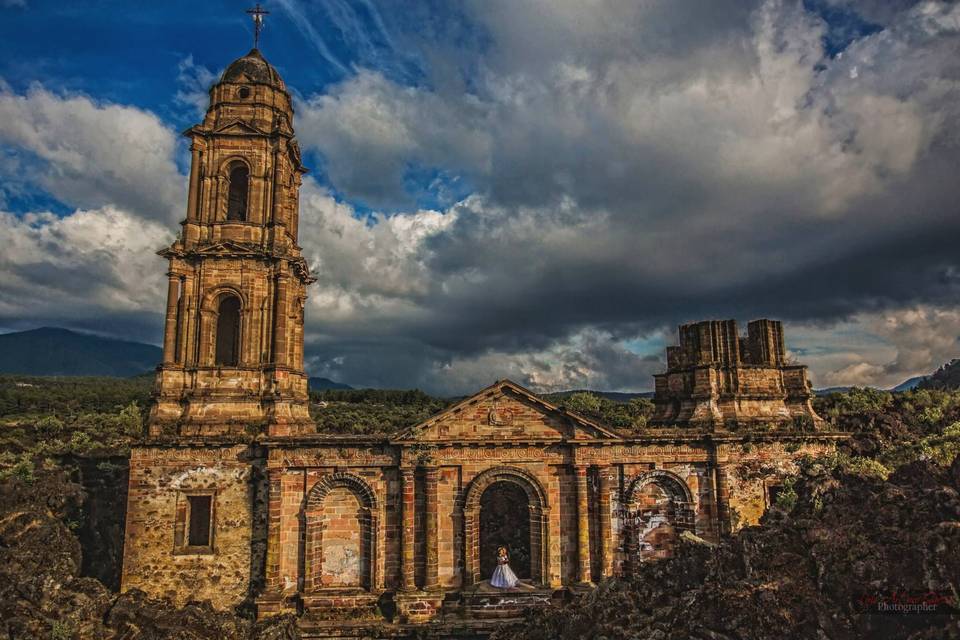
(253, 69)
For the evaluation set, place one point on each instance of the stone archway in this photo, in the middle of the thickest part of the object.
(340, 521)
(536, 504)
(661, 507)
(505, 522)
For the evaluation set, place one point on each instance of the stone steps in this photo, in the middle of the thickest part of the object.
(484, 605)
(470, 614)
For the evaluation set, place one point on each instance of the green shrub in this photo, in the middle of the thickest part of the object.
(787, 497)
(61, 631)
(865, 467)
(17, 466)
(628, 416)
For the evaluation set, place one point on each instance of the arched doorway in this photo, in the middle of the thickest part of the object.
(481, 532)
(504, 522)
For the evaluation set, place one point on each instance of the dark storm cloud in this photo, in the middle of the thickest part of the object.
(641, 165)
(634, 165)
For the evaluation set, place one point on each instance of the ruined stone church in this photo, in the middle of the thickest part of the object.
(235, 497)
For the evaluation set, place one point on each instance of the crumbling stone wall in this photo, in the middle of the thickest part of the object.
(154, 560)
(755, 472)
(716, 380)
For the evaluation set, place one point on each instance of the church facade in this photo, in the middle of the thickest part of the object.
(234, 496)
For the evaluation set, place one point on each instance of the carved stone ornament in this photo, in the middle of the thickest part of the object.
(500, 416)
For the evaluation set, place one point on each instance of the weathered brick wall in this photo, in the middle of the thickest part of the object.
(596, 543)
(755, 380)
(663, 486)
(342, 561)
(159, 477)
(567, 507)
(419, 524)
(499, 417)
(657, 533)
(160, 480)
(558, 525)
(391, 529)
(449, 527)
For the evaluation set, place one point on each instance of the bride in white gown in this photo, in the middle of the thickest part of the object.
(503, 577)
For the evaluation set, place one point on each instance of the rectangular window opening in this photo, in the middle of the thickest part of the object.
(200, 515)
(773, 492)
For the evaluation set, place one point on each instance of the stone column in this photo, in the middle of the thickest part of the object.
(630, 531)
(186, 321)
(431, 579)
(170, 328)
(194, 183)
(723, 501)
(407, 527)
(583, 525)
(606, 544)
(280, 312)
(274, 500)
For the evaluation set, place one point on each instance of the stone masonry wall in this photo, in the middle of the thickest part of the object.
(160, 480)
(342, 561)
(754, 468)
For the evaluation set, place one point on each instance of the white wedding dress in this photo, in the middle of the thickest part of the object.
(504, 577)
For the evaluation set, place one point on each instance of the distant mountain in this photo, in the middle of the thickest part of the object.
(912, 383)
(946, 377)
(829, 390)
(51, 351)
(322, 384)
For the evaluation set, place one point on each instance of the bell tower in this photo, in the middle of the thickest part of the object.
(233, 339)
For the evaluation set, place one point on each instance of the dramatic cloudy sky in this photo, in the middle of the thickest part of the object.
(533, 189)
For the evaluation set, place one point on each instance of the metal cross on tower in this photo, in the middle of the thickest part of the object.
(257, 14)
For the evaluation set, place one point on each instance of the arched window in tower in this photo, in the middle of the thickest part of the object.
(237, 197)
(228, 332)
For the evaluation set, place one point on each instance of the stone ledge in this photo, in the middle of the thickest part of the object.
(418, 606)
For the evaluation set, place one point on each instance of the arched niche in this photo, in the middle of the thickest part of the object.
(238, 191)
(227, 341)
(219, 325)
(340, 525)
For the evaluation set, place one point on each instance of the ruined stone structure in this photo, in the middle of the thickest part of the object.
(717, 379)
(236, 498)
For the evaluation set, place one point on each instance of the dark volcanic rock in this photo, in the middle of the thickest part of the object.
(101, 529)
(800, 575)
(43, 596)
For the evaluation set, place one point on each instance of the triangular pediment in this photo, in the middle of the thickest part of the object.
(238, 127)
(505, 411)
